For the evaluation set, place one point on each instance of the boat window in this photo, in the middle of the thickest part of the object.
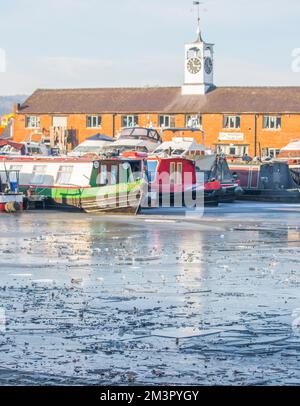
(114, 175)
(64, 175)
(126, 175)
(15, 168)
(179, 174)
(38, 174)
(34, 151)
(136, 170)
(178, 152)
(8, 149)
(172, 172)
(154, 134)
(103, 175)
(152, 168)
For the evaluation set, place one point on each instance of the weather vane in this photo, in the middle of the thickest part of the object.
(197, 4)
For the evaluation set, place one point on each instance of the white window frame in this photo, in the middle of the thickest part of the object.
(193, 121)
(272, 123)
(64, 174)
(240, 150)
(95, 119)
(32, 122)
(131, 121)
(166, 121)
(271, 152)
(233, 122)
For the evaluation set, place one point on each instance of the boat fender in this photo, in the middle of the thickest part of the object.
(12, 207)
(239, 191)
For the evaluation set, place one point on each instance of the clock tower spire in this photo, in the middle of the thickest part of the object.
(199, 64)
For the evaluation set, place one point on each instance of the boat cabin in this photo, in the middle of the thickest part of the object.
(136, 139)
(184, 147)
(11, 148)
(93, 145)
(174, 173)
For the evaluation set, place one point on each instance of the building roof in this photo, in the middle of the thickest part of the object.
(163, 100)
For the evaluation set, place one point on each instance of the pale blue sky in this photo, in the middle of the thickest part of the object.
(95, 43)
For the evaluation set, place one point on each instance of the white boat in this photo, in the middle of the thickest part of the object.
(136, 139)
(290, 151)
(183, 147)
(11, 148)
(291, 154)
(93, 145)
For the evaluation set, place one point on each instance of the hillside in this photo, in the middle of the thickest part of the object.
(7, 102)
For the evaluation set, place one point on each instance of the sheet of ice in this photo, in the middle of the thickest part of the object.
(118, 300)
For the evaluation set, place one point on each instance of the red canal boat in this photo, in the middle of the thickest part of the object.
(272, 181)
(175, 182)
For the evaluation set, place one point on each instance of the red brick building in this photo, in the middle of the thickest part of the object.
(239, 120)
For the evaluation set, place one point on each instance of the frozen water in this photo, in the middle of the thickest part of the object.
(151, 300)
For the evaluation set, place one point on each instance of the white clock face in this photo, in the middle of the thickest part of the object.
(194, 65)
(208, 65)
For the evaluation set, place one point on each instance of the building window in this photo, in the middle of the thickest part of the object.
(130, 121)
(272, 122)
(166, 121)
(94, 121)
(32, 122)
(38, 174)
(232, 122)
(233, 150)
(193, 121)
(270, 152)
(64, 175)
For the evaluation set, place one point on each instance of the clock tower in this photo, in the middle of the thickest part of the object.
(199, 67)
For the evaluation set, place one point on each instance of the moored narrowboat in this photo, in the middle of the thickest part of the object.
(269, 181)
(104, 185)
(216, 167)
(212, 165)
(174, 182)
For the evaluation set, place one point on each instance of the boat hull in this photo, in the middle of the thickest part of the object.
(264, 195)
(11, 202)
(179, 199)
(125, 199)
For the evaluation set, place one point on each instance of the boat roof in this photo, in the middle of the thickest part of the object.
(73, 160)
(185, 143)
(292, 146)
(185, 129)
(129, 142)
(100, 137)
(140, 133)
